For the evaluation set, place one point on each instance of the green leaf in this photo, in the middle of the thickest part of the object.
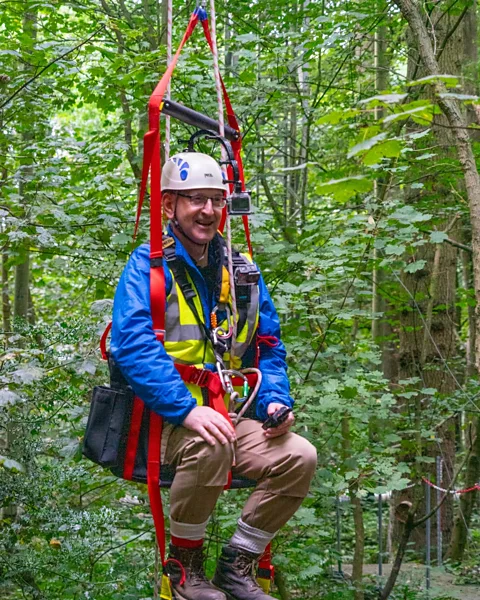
(461, 97)
(336, 116)
(424, 114)
(415, 266)
(343, 189)
(8, 397)
(27, 375)
(448, 80)
(386, 149)
(295, 257)
(11, 465)
(385, 98)
(394, 249)
(425, 156)
(289, 288)
(366, 144)
(121, 239)
(437, 237)
(408, 214)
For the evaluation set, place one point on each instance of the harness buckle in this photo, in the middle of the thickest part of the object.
(199, 377)
(159, 334)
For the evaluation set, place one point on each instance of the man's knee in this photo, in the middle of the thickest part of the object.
(213, 463)
(302, 456)
(295, 466)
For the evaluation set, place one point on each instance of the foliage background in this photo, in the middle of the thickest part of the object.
(354, 192)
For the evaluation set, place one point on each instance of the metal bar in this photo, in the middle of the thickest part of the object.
(428, 534)
(380, 541)
(192, 117)
(439, 513)
(339, 525)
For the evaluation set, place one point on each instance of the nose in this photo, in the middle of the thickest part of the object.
(208, 207)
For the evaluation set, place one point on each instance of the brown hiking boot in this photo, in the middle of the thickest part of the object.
(235, 575)
(195, 585)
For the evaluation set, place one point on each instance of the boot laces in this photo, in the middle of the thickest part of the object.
(195, 567)
(246, 566)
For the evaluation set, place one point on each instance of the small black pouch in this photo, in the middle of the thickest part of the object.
(109, 410)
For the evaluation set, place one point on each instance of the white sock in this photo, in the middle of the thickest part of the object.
(188, 531)
(251, 539)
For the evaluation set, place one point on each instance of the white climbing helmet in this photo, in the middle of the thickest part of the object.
(192, 170)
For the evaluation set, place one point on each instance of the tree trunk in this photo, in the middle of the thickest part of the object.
(6, 306)
(382, 331)
(458, 124)
(467, 501)
(428, 330)
(22, 274)
(359, 551)
(22, 271)
(305, 125)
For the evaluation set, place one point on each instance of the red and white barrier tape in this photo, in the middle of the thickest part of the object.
(456, 492)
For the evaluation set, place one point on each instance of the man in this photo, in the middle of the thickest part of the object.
(198, 441)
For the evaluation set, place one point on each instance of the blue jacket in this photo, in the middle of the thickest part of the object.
(150, 370)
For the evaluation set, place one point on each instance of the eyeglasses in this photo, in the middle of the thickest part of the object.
(199, 201)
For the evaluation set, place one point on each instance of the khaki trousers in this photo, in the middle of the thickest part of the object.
(283, 468)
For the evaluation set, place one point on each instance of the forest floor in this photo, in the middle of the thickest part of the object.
(443, 585)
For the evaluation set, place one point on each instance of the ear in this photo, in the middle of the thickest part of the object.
(169, 201)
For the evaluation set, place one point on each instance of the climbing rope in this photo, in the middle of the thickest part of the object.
(221, 127)
(169, 88)
(157, 573)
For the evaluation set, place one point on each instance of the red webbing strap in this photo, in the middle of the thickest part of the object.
(268, 340)
(103, 341)
(265, 564)
(216, 400)
(158, 301)
(152, 162)
(236, 144)
(151, 140)
(153, 479)
(204, 378)
(148, 144)
(210, 380)
(133, 437)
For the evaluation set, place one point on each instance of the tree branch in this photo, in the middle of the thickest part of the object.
(52, 62)
(276, 211)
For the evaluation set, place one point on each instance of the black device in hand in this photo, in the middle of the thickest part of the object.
(278, 417)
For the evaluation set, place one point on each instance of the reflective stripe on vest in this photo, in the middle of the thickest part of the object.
(185, 339)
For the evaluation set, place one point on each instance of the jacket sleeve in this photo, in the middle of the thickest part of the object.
(141, 357)
(275, 385)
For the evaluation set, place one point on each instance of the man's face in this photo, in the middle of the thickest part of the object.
(199, 222)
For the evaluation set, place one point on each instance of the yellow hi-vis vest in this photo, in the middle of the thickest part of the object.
(185, 339)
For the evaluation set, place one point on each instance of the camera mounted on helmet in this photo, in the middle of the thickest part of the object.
(239, 201)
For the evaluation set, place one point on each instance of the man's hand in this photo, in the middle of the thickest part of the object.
(274, 432)
(210, 424)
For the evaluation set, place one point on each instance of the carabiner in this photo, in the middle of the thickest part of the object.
(219, 331)
(224, 377)
(235, 396)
